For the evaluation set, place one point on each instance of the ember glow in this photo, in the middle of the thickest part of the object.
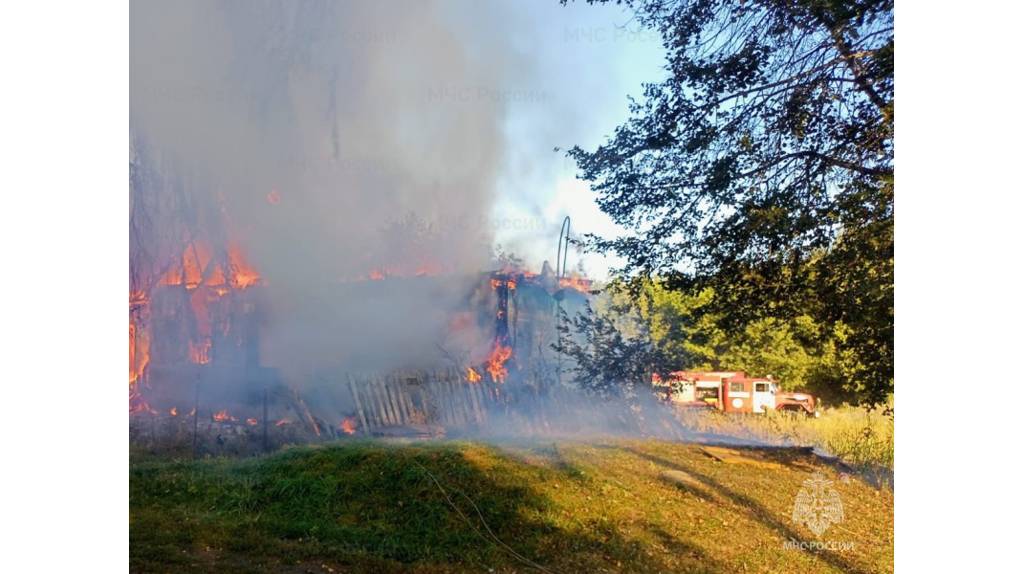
(348, 425)
(472, 376)
(223, 416)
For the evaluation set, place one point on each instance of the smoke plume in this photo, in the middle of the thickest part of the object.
(330, 140)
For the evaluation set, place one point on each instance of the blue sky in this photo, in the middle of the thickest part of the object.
(586, 61)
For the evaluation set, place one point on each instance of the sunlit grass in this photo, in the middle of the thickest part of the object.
(570, 507)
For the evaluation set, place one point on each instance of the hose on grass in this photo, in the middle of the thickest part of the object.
(466, 519)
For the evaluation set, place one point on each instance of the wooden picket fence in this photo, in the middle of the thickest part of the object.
(444, 398)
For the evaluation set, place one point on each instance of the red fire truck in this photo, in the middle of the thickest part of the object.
(732, 392)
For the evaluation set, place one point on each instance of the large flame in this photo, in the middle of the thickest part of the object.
(496, 362)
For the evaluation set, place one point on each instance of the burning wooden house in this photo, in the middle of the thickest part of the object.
(195, 356)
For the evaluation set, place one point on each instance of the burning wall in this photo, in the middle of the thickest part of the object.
(202, 307)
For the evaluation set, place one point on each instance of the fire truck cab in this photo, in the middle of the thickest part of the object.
(748, 395)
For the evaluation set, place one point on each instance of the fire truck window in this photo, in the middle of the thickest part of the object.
(704, 394)
(735, 387)
(761, 388)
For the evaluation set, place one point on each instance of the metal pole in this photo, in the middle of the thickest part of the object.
(195, 419)
(266, 443)
(563, 256)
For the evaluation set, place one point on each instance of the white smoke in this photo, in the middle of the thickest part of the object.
(333, 138)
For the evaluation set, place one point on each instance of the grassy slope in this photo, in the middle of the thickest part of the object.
(571, 507)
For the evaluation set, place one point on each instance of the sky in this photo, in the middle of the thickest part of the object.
(586, 61)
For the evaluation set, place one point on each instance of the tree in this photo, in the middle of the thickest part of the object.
(605, 361)
(677, 322)
(763, 166)
(773, 347)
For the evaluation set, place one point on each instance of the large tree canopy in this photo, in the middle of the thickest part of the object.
(763, 166)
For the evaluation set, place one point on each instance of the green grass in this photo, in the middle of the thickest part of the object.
(570, 507)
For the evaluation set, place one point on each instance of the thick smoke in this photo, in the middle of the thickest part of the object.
(329, 140)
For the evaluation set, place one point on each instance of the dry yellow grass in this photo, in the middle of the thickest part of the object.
(860, 438)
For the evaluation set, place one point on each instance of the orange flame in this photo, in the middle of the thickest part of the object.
(197, 266)
(136, 299)
(138, 353)
(348, 425)
(578, 283)
(496, 362)
(510, 283)
(251, 421)
(243, 274)
(209, 277)
(472, 375)
(222, 415)
(282, 422)
(174, 411)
